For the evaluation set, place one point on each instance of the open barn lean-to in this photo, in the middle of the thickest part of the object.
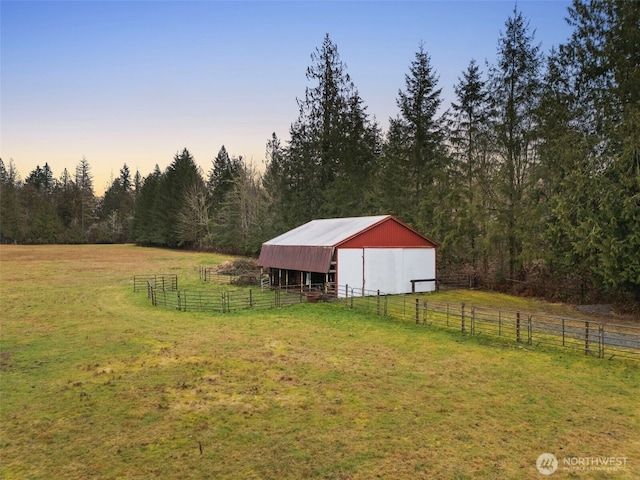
(367, 254)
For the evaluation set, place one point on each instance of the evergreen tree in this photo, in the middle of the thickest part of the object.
(85, 198)
(222, 176)
(11, 211)
(414, 158)
(66, 195)
(239, 222)
(40, 214)
(274, 183)
(515, 89)
(181, 176)
(146, 218)
(333, 145)
(599, 208)
(470, 142)
(116, 213)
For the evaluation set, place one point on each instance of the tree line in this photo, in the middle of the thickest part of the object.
(533, 171)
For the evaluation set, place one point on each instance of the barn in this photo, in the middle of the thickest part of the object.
(367, 254)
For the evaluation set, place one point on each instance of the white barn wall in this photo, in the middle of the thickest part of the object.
(349, 269)
(389, 270)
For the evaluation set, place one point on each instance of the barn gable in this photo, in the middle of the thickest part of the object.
(388, 232)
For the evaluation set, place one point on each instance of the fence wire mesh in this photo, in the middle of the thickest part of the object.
(595, 338)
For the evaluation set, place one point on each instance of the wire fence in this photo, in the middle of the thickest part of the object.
(161, 281)
(223, 302)
(599, 339)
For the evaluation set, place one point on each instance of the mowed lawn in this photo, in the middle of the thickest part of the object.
(97, 383)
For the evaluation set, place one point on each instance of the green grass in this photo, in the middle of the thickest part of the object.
(96, 383)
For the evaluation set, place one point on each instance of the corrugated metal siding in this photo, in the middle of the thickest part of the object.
(388, 233)
(291, 257)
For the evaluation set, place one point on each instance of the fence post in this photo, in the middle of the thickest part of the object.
(378, 303)
(586, 338)
(447, 314)
(462, 318)
(529, 331)
(250, 299)
(179, 301)
(417, 310)
(518, 327)
(563, 331)
(473, 320)
(499, 323)
(601, 349)
(426, 313)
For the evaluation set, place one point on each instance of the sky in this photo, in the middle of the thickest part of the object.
(136, 82)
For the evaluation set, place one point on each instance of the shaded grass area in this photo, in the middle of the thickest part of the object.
(97, 383)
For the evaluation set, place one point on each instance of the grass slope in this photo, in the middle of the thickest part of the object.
(96, 383)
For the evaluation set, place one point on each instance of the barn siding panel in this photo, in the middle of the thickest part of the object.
(389, 233)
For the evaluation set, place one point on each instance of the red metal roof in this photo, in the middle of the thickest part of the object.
(310, 247)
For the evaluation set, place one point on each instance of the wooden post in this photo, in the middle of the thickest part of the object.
(417, 310)
(426, 312)
(473, 320)
(601, 341)
(462, 318)
(518, 327)
(586, 338)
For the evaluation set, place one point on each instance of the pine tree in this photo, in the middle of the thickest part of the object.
(11, 210)
(470, 142)
(515, 89)
(333, 147)
(40, 216)
(599, 209)
(222, 176)
(146, 217)
(414, 154)
(85, 198)
(116, 212)
(182, 175)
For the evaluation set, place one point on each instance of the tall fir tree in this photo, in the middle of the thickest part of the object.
(598, 210)
(414, 156)
(515, 85)
(11, 210)
(470, 141)
(333, 146)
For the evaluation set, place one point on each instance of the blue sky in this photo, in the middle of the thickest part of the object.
(135, 82)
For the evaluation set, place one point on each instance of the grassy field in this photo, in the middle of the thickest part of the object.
(96, 383)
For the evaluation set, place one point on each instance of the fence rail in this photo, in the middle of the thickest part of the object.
(594, 338)
(599, 339)
(162, 281)
(222, 302)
